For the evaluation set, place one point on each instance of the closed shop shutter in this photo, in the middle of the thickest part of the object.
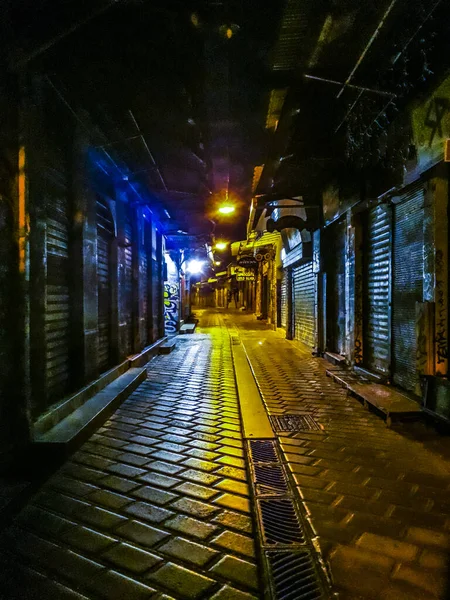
(303, 303)
(128, 285)
(284, 279)
(57, 316)
(377, 260)
(335, 291)
(407, 284)
(105, 233)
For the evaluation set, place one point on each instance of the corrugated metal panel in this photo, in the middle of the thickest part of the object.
(57, 316)
(284, 280)
(291, 35)
(128, 285)
(303, 303)
(105, 232)
(407, 285)
(376, 347)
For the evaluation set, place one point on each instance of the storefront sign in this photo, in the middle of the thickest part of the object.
(247, 261)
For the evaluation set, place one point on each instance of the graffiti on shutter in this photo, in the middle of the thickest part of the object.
(284, 299)
(105, 233)
(303, 303)
(335, 292)
(128, 286)
(377, 261)
(407, 285)
(57, 316)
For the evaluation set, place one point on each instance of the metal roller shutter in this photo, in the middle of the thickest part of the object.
(284, 279)
(407, 284)
(376, 346)
(57, 316)
(105, 232)
(128, 285)
(143, 298)
(303, 303)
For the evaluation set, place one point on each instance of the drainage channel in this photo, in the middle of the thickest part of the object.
(292, 566)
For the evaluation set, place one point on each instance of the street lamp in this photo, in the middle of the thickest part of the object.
(221, 245)
(227, 209)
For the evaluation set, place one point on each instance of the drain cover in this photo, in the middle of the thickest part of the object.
(294, 423)
(280, 523)
(263, 451)
(294, 576)
(270, 479)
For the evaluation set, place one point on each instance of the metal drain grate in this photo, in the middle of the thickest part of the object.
(263, 451)
(294, 423)
(280, 524)
(294, 576)
(270, 479)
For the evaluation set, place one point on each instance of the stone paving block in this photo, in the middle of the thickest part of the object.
(200, 477)
(235, 542)
(401, 551)
(188, 551)
(87, 539)
(202, 454)
(112, 585)
(140, 448)
(230, 593)
(197, 491)
(120, 484)
(179, 580)
(83, 473)
(232, 472)
(236, 487)
(153, 495)
(238, 571)
(142, 534)
(429, 581)
(75, 567)
(190, 526)
(428, 537)
(203, 465)
(130, 558)
(90, 460)
(109, 499)
(60, 503)
(234, 520)
(194, 507)
(133, 459)
(44, 522)
(126, 470)
(147, 512)
(234, 502)
(160, 480)
(164, 467)
(104, 519)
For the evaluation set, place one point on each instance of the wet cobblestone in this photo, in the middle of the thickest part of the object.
(155, 504)
(378, 498)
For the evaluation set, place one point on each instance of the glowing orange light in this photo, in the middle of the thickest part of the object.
(21, 209)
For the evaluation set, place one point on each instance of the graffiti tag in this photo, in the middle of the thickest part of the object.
(171, 307)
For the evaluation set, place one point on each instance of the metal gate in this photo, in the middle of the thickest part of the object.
(128, 284)
(105, 234)
(57, 315)
(303, 303)
(407, 284)
(376, 300)
(284, 279)
(335, 291)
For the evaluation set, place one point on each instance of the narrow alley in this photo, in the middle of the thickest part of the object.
(224, 300)
(158, 502)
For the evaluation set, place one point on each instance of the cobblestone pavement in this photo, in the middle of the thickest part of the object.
(155, 505)
(378, 498)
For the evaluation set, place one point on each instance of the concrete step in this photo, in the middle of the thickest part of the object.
(386, 401)
(168, 346)
(334, 359)
(69, 433)
(187, 328)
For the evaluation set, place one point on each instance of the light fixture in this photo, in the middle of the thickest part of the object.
(195, 266)
(217, 263)
(221, 245)
(227, 209)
